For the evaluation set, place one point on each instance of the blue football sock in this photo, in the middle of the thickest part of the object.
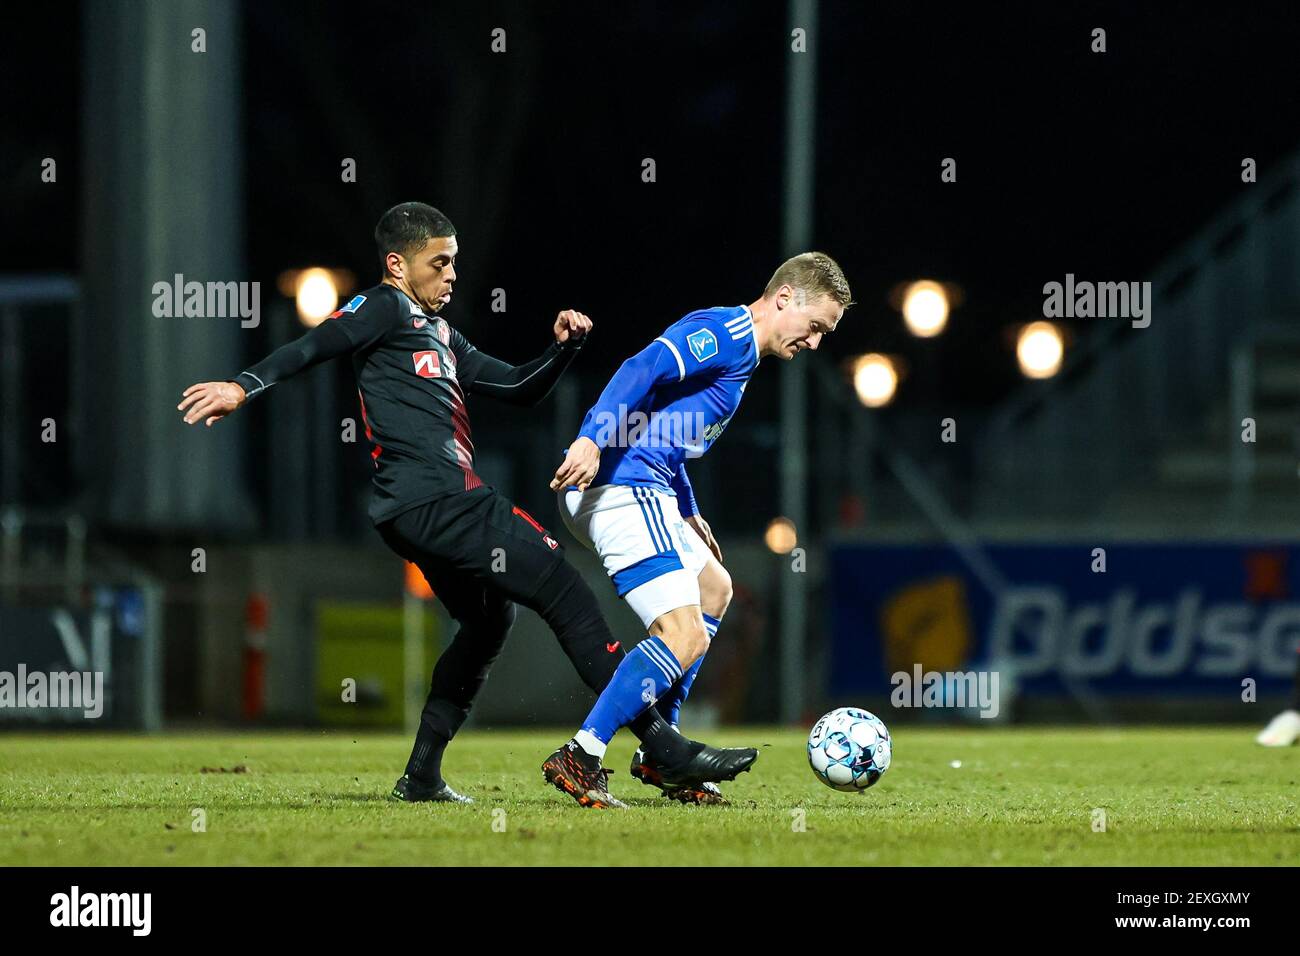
(670, 704)
(645, 674)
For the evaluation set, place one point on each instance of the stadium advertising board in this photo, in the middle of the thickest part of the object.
(1168, 617)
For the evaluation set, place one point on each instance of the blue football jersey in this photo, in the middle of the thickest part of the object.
(672, 400)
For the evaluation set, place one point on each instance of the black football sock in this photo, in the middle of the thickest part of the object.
(425, 765)
(457, 678)
(660, 742)
(1295, 693)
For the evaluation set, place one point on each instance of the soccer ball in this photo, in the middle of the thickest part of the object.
(849, 749)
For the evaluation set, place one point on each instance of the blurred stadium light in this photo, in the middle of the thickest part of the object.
(780, 537)
(1040, 349)
(316, 296)
(875, 379)
(925, 308)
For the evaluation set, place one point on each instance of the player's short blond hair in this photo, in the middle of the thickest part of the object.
(815, 274)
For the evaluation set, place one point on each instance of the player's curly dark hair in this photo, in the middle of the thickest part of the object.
(408, 226)
(815, 274)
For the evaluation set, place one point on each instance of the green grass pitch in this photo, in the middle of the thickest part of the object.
(1186, 796)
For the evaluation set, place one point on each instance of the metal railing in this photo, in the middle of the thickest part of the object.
(1098, 425)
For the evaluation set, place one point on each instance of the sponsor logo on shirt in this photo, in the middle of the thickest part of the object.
(703, 344)
(426, 364)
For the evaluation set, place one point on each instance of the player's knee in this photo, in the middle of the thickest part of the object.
(498, 619)
(685, 636)
(564, 595)
(715, 590)
(501, 616)
(699, 640)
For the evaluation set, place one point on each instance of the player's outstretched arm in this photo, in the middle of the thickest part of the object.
(209, 402)
(531, 382)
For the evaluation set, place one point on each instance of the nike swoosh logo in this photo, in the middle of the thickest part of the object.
(612, 647)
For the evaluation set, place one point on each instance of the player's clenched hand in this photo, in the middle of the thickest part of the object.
(570, 324)
(706, 534)
(212, 401)
(579, 466)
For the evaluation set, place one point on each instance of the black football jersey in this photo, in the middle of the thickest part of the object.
(413, 373)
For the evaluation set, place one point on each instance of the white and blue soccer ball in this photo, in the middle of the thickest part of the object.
(849, 749)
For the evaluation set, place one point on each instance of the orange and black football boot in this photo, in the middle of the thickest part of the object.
(580, 775)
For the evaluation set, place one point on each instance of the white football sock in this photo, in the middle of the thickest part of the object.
(592, 744)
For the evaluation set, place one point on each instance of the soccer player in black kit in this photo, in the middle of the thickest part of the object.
(413, 373)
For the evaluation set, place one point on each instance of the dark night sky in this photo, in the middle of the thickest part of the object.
(1067, 160)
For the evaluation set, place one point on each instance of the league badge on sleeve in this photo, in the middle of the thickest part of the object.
(703, 344)
(352, 305)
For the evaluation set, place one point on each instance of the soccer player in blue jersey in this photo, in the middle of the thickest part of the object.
(624, 493)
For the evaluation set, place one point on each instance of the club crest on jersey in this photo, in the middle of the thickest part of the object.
(703, 344)
(353, 304)
(426, 364)
(443, 331)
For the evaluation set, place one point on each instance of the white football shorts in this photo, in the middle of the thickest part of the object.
(653, 556)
